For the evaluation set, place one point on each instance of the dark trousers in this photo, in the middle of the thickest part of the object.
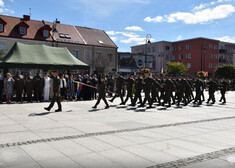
(118, 93)
(167, 98)
(180, 97)
(154, 95)
(147, 98)
(172, 97)
(55, 99)
(137, 96)
(129, 95)
(223, 96)
(38, 94)
(19, 95)
(198, 96)
(203, 97)
(211, 96)
(29, 95)
(99, 99)
(1, 95)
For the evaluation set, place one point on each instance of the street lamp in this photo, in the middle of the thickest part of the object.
(147, 41)
(161, 55)
(203, 50)
(54, 30)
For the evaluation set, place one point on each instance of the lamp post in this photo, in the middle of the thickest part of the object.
(161, 55)
(54, 30)
(203, 50)
(147, 41)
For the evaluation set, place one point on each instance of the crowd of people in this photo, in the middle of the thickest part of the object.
(39, 88)
(166, 90)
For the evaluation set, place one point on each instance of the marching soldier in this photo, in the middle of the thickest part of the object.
(168, 85)
(199, 88)
(39, 85)
(138, 89)
(56, 90)
(102, 92)
(148, 82)
(119, 87)
(129, 84)
(212, 88)
(223, 88)
(174, 89)
(162, 90)
(19, 86)
(155, 88)
(182, 85)
(29, 86)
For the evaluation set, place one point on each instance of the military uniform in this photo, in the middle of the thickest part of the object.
(168, 85)
(129, 85)
(138, 89)
(119, 87)
(148, 82)
(155, 88)
(212, 88)
(199, 88)
(182, 85)
(56, 97)
(29, 83)
(223, 88)
(19, 86)
(162, 90)
(38, 87)
(102, 92)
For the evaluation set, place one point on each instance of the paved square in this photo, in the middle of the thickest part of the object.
(121, 136)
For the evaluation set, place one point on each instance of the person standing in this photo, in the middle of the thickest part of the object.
(46, 89)
(8, 87)
(86, 89)
(94, 82)
(119, 88)
(223, 88)
(129, 84)
(56, 90)
(138, 88)
(1, 88)
(29, 83)
(102, 93)
(63, 87)
(212, 85)
(38, 87)
(19, 86)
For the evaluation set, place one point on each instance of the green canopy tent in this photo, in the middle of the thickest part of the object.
(41, 57)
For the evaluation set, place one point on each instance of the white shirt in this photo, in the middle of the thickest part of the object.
(47, 82)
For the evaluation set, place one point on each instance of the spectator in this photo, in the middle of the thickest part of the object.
(8, 87)
(46, 90)
(94, 82)
(63, 86)
(19, 86)
(1, 89)
(71, 88)
(39, 85)
(29, 86)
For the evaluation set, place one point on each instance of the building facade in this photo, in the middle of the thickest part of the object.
(92, 46)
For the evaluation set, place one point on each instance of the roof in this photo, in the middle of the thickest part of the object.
(33, 31)
(74, 34)
(41, 56)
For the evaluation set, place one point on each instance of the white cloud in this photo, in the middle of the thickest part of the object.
(5, 10)
(111, 33)
(198, 17)
(179, 37)
(1, 3)
(227, 39)
(134, 28)
(155, 19)
(204, 5)
(114, 39)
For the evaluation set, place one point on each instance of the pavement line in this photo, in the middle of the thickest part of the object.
(196, 159)
(109, 132)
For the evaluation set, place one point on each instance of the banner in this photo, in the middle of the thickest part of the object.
(79, 88)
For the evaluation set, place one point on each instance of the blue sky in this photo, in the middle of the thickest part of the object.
(128, 21)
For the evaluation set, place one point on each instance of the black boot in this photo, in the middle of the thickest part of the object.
(47, 108)
(106, 107)
(58, 110)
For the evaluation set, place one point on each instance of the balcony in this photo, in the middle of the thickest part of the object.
(222, 51)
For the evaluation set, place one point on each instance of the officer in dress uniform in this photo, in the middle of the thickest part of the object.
(199, 88)
(38, 87)
(19, 86)
(29, 83)
(56, 90)
(102, 92)
(119, 88)
(212, 85)
(138, 89)
(148, 82)
(223, 88)
(129, 85)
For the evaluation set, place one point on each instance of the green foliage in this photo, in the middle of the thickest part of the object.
(174, 68)
(225, 71)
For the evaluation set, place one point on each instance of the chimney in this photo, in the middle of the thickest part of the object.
(26, 17)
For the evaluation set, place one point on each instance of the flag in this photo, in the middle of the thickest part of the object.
(79, 88)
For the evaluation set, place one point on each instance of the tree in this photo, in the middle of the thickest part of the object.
(225, 71)
(101, 64)
(175, 68)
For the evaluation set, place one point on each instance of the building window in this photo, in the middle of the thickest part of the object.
(210, 46)
(148, 49)
(188, 46)
(1, 27)
(110, 57)
(174, 48)
(215, 65)
(215, 47)
(22, 30)
(173, 57)
(181, 56)
(45, 33)
(87, 55)
(188, 56)
(76, 53)
(167, 48)
(210, 65)
(181, 47)
(2, 49)
(188, 65)
(211, 56)
(98, 53)
(215, 56)
(153, 49)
